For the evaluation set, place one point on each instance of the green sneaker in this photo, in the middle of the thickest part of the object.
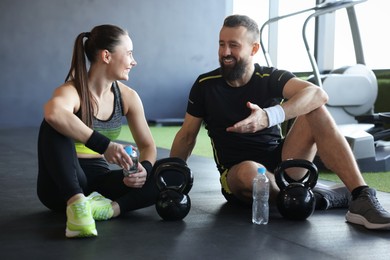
(101, 206)
(80, 222)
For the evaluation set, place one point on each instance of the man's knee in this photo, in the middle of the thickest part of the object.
(239, 179)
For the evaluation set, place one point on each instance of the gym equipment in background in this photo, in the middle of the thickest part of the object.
(296, 199)
(352, 92)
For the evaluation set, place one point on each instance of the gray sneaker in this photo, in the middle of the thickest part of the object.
(335, 196)
(367, 211)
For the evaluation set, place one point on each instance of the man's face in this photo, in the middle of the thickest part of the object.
(235, 52)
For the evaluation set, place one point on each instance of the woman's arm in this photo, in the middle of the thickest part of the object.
(135, 115)
(60, 110)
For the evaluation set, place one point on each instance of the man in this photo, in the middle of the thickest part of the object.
(240, 106)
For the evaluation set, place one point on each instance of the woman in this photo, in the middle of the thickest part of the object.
(75, 144)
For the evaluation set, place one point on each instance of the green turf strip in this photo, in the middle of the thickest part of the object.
(164, 136)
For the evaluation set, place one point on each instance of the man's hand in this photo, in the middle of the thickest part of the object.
(256, 121)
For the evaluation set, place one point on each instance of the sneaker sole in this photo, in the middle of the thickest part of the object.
(360, 220)
(85, 233)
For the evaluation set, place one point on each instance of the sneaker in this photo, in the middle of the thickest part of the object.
(101, 206)
(335, 196)
(80, 222)
(367, 211)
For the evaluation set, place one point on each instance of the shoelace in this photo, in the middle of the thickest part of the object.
(376, 203)
(80, 209)
(101, 212)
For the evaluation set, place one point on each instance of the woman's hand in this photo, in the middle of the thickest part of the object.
(136, 180)
(116, 154)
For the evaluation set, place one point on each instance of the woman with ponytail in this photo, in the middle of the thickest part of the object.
(76, 140)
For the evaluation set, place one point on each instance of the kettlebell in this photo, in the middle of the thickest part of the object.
(174, 180)
(296, 200)
(173, 173)
(172, 205)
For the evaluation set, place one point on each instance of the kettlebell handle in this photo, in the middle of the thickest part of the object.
(178, 167)
(310, 179)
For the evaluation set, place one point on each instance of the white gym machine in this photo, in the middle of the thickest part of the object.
(352, 90)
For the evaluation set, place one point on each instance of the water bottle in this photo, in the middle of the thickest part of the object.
(132, 152)
(260, 206)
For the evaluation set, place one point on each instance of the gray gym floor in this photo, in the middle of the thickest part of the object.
(212, 229)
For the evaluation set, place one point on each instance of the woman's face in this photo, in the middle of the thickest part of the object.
(122, 59)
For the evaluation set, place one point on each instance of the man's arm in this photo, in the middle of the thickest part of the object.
(302, 98)
(185, 138)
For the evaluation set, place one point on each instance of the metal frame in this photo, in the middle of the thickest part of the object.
(318, 10)
(329, 8)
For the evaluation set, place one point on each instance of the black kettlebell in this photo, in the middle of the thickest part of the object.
(172, 205)
(296, 200)
(174, 180)
(173, 173)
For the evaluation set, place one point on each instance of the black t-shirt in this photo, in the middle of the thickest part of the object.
(221, 106)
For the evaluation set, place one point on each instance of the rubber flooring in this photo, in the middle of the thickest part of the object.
(212, 229)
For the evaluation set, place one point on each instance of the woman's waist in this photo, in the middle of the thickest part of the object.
(89, 156)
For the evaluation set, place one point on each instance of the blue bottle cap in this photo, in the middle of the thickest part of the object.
(261, 170)
(129, 149)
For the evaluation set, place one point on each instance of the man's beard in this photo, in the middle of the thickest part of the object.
(233, 73)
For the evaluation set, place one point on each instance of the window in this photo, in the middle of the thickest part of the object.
(291, 53)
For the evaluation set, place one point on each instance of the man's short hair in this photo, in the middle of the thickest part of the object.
(245, 21)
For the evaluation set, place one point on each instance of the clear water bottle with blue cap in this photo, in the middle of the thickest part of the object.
(260, 206)
(132, 152)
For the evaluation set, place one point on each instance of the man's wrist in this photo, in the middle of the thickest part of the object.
(275, 115)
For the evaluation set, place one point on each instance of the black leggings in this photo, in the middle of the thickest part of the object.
(61, 175)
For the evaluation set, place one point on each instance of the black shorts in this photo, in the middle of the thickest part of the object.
(270, 160)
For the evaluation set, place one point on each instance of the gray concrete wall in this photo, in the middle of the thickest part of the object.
(174, 41)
